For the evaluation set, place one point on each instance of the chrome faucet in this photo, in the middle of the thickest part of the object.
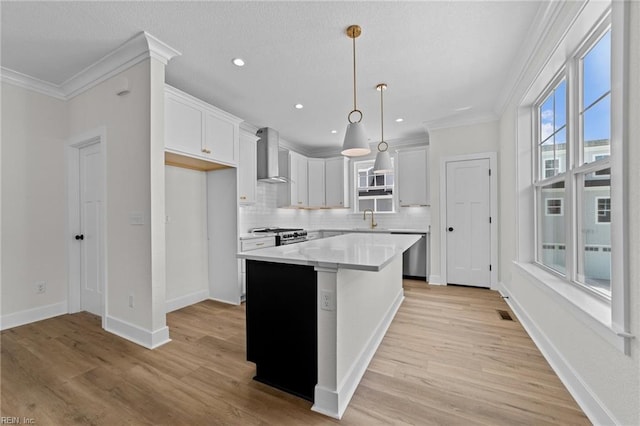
(364, 217)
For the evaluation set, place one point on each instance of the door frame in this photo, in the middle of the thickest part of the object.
(72, 154)
(493, 205)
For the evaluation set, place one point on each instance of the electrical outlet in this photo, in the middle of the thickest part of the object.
(131, 304)
(41, 287)
(327, 301)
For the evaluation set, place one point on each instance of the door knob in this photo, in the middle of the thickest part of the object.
(450, 229)
(80, 237)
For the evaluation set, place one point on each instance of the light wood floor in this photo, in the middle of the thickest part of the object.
(447, 358)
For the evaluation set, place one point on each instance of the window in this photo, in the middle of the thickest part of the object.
(590, 279)
(551, 167)
(373, 191)
(554, 207)
(603, 210)
(573, 144)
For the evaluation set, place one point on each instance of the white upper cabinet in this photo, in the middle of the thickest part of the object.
(198, 130)
(183, 125)
(337, 182)
(316, 179)
(412, 177)
(247, 168)
(295, 192)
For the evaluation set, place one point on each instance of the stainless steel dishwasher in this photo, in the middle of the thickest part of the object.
(414, 260)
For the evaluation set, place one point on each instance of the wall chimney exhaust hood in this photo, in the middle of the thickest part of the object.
(267, 156)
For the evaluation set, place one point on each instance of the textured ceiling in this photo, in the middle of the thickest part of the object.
(436, 57)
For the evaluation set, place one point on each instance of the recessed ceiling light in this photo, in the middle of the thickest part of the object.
(238, 62)
(334, 131)
(399, 120)
(299, 106)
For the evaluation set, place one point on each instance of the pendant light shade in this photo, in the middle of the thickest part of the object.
(383, 163)
(383, 159)
(356, 142)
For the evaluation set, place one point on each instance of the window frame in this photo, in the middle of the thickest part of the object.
(356, 186)
(609, 319)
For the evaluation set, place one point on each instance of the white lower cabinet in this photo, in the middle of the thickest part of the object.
(248, 245)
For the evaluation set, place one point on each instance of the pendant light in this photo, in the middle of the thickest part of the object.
(355, 139)
(383, 159)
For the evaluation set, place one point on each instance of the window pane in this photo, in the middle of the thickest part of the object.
(385, 205)
(560, 140)
(551, 235)
(596, 71)
(560, 107)
(365, 204)
(594, 241)
(596, 123)
(546, 118)
(389, 179)
(547, 159)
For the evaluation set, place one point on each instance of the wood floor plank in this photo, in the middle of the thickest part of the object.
(447, 358)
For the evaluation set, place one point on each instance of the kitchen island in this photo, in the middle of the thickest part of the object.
(317, 311)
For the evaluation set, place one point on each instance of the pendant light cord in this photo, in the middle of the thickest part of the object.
(381, 116)
(354, 74)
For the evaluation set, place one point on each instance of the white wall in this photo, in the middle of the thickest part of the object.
(34, 129)
(186, 236)
(475, 138)
(135, 181)
(609, 379)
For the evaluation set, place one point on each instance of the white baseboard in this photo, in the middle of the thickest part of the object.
(186, 300)
(32, 315)
(436, 280)
(595, 410)
(147, 338)
(332, 403)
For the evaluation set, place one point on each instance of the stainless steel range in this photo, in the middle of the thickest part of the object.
(284, 236)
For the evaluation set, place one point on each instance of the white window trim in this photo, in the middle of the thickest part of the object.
(609, 320)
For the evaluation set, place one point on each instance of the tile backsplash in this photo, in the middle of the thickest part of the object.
(266, 213)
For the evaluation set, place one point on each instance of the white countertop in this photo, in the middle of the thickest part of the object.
(251, 235)
(374, 230)
(361, 251)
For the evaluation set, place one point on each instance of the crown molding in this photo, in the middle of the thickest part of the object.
(135, 50)
(25, 81)
(547, 16)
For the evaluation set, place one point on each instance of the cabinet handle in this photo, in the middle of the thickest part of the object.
(206, 151)
(299, 202)
(259, 244)
(243, 197)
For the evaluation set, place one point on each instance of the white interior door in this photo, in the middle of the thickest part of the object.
(90, 237)
(468, 223)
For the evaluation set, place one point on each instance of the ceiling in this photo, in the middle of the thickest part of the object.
(444, 62)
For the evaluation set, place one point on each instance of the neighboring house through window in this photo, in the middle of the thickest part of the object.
(373, 191)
